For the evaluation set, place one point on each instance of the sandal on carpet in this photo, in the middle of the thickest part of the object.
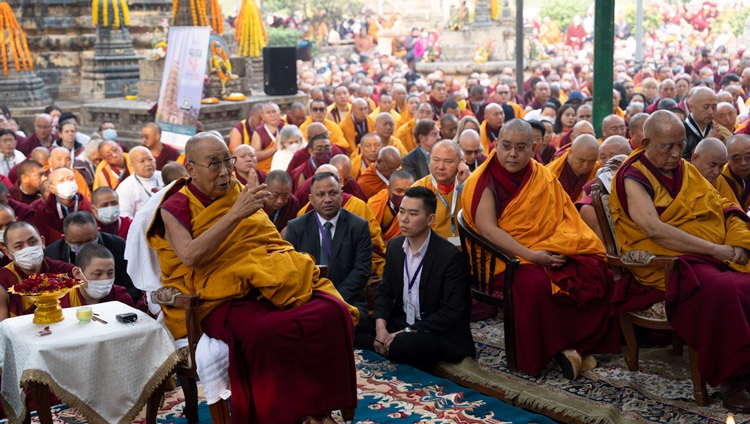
(570, 362)
(588, 363)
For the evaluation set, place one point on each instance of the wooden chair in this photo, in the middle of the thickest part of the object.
(482, 255)
(655, 317)
(186, 369)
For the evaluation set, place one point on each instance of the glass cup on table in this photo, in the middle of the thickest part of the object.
(84, 314)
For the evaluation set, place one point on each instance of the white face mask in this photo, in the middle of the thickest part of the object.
(108, 214)
(67, 189)
(292, 147)
(29, 258)
(97, 289)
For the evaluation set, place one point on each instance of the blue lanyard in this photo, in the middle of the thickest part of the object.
(412, 279)
(326, 242)
(276, 215)
(312, 162)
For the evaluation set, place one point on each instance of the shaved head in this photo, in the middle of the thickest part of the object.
(328, 168)
(636, 128)
(581, 127)
(613, 146)
(709, 157)
(314, 129)
(583, 155)
(738, 147)
(389, 160)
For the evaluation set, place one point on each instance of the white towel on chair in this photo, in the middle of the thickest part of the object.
(212, 365)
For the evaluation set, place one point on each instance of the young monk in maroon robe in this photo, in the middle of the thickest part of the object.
(282, 206)
(563, 285)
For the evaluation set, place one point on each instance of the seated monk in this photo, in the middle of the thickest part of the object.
(320, 152)
(581, 127)
(212, 240)
(25, 247)
(471, 147)
(405, 132)
(710, 159)
(63, 199)
(660, 203)
(318, 113)
(494, 119)
(245, 168)
(114, 168)
(264, 138)
(447, 175)
(356, 124)
(375, 178)
(561, 299)
(242, 132)
(384, 128)
(349, 185)
(59, 157)
(95, 267)
(737, 171)
(281, 206)
(386, 202)
(577, 166)
(359, 208)
(369, 147)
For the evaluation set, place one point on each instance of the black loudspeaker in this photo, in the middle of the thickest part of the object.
(280, 71)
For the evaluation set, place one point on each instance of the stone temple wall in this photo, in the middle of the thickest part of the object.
(60, 37)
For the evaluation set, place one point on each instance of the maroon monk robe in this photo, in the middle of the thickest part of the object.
(29, 144)
(168, 153)
(119, 228)
(8, 278)
(480, 158)
(292, 363)
(287, 213)
(553, 323)
(302, 155)
(49, 215)
(571, 183)
(15, 193)
(544, 157)
(265, 137)
(352, 187)
(306, 170)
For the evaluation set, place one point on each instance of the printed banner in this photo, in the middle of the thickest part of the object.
(182, 83)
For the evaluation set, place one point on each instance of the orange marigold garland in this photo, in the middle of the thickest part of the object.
(217, 19)
(16, 39)
(117, 6)
(250, 31)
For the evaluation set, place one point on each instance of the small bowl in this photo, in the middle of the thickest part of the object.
(84, 314)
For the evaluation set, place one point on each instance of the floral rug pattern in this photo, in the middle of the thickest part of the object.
(659, 392)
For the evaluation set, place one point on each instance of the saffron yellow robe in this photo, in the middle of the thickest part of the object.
(379, 205)
(444, 225)
(253, 256)
(557, 166)
(698, 209)
(540, 216)
(350, 132)
(334, 132)
(396, 116)
(101, 181)
(405, 133)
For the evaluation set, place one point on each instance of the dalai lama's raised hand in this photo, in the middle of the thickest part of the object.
(251, 200)
(546, 259)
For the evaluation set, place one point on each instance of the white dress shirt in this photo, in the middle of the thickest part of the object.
(412, 262)
(7, 163)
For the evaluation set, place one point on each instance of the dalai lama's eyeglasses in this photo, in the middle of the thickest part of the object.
(215, 165)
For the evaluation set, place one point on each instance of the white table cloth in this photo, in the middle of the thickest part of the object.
(105, 371)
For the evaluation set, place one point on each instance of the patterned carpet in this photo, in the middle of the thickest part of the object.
(388, 393)
(660, 392)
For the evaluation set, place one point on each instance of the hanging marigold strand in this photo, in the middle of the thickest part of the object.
(125, 12)
(105, 13)
(175, 6)
(116, 13)
(95, 12)
(2, 45)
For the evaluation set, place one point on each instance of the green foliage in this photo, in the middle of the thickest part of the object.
(652, 17)
(735, 18)
(563, 11)
(331, 9)
(282, 37)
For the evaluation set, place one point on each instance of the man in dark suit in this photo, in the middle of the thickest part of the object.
(336, 238)
(417, 162)
(423, 305)
(80, 229)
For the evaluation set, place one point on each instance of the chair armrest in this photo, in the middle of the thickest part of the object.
(665, 262)
(173, 297)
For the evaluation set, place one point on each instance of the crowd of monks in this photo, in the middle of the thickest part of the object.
(520, 173)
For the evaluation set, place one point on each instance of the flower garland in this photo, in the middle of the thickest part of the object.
(16, 38)
(217, 19)
(217, 61)
(250, 32)
(494, 9)
(117, 6)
